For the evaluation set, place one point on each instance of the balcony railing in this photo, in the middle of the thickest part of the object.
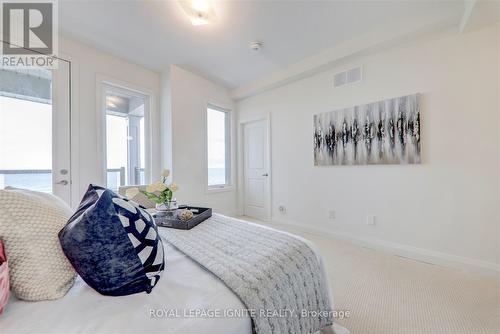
(117, 177)
(35, 179)
(41, 179)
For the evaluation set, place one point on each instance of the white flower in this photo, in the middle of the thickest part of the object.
(165, 173)
(173, 187)
(158, 186)
(131, 192)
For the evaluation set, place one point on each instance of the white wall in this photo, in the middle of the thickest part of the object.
(185, 97)
(88, 64)
(447, 208)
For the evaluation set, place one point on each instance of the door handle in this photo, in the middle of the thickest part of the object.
(62, 183)
(265, 174)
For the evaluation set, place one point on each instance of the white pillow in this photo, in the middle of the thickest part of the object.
(29, 224)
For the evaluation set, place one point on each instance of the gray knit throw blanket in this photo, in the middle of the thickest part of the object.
(277, 276)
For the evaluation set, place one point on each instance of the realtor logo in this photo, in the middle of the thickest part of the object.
(28, 33)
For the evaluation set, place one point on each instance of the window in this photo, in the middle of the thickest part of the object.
(26, 129)
(218, 148)
(125, 137)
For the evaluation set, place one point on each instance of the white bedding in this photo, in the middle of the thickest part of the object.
(184, 287)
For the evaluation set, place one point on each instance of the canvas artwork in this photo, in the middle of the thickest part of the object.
(383, 132)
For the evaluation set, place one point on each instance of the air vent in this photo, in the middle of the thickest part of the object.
(347, 77)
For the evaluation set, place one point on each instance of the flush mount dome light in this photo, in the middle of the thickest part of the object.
(200, 12)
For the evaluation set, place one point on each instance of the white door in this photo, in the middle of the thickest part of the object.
(256, 169)
(61, 132)
(35, 130)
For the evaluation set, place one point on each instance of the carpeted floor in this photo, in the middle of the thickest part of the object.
(387, 294)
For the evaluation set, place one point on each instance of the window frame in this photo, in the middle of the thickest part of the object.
(229, 184)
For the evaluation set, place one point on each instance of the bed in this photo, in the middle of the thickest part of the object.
(185, 289)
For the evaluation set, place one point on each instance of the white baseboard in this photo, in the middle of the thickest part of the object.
(232, 213)
(411, 252)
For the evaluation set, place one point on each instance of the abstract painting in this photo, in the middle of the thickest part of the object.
(383, 132)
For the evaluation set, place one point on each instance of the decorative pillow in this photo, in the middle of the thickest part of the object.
(4, 279)
(29, 223)
(113, 244)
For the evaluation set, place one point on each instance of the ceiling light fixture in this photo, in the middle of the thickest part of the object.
(200, 12)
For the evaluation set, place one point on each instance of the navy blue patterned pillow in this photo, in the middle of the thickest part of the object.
(113, 244)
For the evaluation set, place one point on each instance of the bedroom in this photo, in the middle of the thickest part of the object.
(329, 166)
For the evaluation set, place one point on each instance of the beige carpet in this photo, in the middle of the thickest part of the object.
(388, 294)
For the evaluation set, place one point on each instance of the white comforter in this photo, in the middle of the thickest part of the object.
(184, 285)
(183, 288)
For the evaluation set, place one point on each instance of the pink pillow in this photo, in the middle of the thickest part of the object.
(4, 279)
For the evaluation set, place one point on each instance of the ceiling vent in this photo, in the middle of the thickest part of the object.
(350, 76)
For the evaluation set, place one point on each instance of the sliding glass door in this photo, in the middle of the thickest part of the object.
(35, 130)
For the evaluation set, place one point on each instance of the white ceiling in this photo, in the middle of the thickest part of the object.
(156, 34)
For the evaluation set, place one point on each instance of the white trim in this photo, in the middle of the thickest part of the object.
(75, 129)
(468, 9)
(61, 130)
(218, 189)
(230, 145)
(402, 250)
(241, 181)
(149, 110)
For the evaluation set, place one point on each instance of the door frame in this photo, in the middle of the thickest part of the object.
(101, 82)
(74, 114)
(56, 99)
(74, 130)
(241, 167)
